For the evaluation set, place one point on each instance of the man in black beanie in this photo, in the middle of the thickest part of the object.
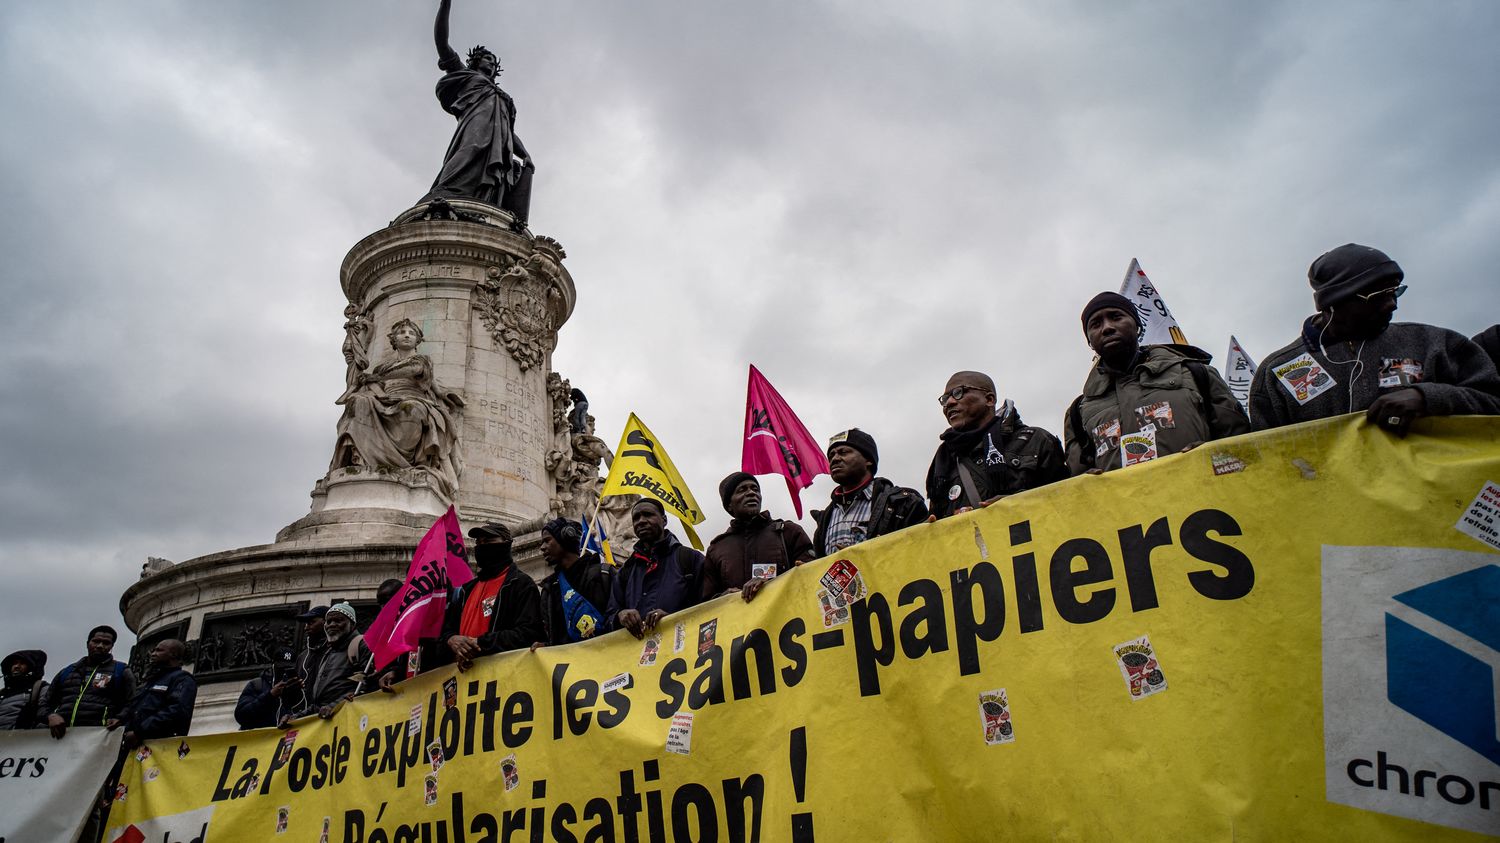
(987, 452)
(755, 548)
(863, 506)
(1161, 399)
(1351, 357)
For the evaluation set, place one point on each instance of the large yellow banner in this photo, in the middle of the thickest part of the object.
(1289, 635)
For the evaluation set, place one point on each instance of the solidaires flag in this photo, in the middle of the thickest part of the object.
(642, 467)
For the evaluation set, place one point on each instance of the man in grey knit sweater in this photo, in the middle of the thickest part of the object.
(1352, 358)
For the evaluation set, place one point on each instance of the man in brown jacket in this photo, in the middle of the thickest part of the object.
(1141, 402)
(755, 548)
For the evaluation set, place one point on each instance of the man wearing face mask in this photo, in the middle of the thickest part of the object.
(575, 594)
(496, 611)
(1351, 357)
(987, 452)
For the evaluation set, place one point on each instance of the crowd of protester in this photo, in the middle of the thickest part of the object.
(1348, 357)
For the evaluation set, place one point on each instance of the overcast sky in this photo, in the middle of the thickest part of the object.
(859, 197)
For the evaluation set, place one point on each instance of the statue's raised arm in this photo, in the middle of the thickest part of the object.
(485, 161)
(446, 54)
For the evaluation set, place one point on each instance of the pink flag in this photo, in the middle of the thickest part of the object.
(776, 442)
(416, 612)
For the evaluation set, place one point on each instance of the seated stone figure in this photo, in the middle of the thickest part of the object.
(397, 416)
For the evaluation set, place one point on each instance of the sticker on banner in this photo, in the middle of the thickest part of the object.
(650, 649)
(450, 692)
(144, 751)
(706, 634)
(1482, 519)
(151, 774)
(679, 638)
(994, 715)
(1399, 371)
(1138, 447)
(364, 722)
(680, 733)
(435, 755)
(429, 790)
(763, 570)
(327, 824)
(414, 722)
(843, 579)
(616, 683)
(121, 791)
(1158, 415)
(284, 752)
(835, 608)
(1138, 664)
(1226, 464)
(1304, 378)
(283, 818)
(510, 772)
(183, 750)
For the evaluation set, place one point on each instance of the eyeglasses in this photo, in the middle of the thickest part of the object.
(1393, 292)
(956, 394)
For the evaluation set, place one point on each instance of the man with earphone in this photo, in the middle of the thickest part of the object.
(1352, 358)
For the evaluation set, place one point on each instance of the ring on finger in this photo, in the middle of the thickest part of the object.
(1393, 421)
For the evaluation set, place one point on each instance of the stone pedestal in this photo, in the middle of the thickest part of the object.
(488, 300)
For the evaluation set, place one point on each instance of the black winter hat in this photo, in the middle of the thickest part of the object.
(568, 534)
(1340, 273)
(1108, 299)
(859, 441)
(728, 484)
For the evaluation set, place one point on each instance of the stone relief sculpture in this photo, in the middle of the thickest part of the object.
(356, 349)
(517, 308)
(486, 160)
(397, 416)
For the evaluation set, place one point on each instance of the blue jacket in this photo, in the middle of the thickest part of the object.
(665, 577)
(162, 706)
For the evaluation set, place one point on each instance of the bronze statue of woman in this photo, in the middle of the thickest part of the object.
(486, 161)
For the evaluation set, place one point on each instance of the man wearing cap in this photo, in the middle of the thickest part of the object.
(314, 642)
(1164, 399)
(272, 695)
(863, 506)
(576, 593)
(660, 577)
(1351, 357)
(496, 611)
(91, 690)
(987, 452)
(344, 667)
(755, 548)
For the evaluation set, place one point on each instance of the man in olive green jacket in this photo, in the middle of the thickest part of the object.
(1142, 402)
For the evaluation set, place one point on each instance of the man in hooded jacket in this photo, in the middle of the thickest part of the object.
(576, 593)
(986, 453)
(1166, 398)
(25, 691)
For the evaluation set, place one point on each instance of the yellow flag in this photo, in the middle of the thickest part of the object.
(642, 467)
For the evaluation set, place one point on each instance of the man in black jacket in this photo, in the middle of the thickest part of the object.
(576, 593)
(660, 577)
(863, 506)
(163, 706)
(271, 695)
(987, 452)
(499, 610)
(91, 690)
(25, 692)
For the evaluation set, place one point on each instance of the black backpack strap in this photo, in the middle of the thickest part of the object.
(1085, 437)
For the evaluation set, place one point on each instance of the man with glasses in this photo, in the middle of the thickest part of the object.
(1140, 402)
(1352, 358)
(987, 452)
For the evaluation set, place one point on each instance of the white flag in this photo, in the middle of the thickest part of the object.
(1155, 315)
(1239, 369)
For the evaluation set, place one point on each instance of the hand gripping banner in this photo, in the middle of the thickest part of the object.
(1288, 635)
